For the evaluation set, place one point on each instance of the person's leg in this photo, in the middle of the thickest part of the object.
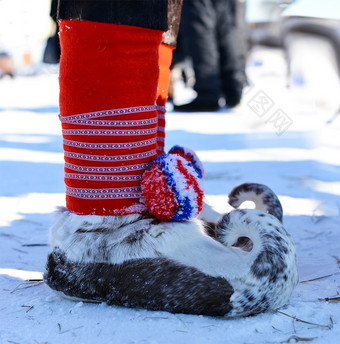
(232, 68)
(108, 84)
(108, 87)
(52, 50)
(198, 31)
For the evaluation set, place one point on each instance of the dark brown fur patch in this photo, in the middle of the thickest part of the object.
(245, 243)
(155, 284)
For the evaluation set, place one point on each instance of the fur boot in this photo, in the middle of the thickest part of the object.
(136, 261)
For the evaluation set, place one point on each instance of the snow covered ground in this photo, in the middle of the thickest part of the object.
(278, 137)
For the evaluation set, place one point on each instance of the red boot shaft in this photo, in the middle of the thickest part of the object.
(108, 84)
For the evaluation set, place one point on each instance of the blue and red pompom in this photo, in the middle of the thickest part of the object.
(189, 155)
(172, 187)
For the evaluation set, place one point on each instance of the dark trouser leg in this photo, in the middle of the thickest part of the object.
(231, 60)
(52, 49)
(199, 37)
(152, 14)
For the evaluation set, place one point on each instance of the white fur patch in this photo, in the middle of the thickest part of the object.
(209, 214)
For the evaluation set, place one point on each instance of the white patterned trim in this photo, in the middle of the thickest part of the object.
(160, 139)
(126, 145)
(115, 193)
(104, 132)
(161, 116)
(116, 123)
(126, 157)
(161, 129)
(161, 108)
(104, 178)
(106, 113)
(116, 169)
(96, 173)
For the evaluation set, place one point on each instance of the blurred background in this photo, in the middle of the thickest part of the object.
(298, 40)
(24, 29)
(306, 36)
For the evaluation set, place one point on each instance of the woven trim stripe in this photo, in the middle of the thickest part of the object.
(116, 193)
(99, 132)
(103, 178)
(106, 113)
(117, 169)
(126, 145)
(160, 108)
(115, 123)
(162, 129)
(161, 116)
(106, 158)
(123, 129)
(160, 139)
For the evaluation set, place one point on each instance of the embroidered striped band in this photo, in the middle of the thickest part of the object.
(126, 157)
(115, 123)
(119, 169)
(114, 193)
(127, 145)
(106, 113)
(160, 109)
(99, 132)
(103, 178)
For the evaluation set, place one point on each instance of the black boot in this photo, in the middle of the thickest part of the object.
(232, 90)
(198, 105)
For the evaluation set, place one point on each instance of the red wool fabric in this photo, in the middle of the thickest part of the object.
(108, 83)
(159, 198)
(165, 58)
